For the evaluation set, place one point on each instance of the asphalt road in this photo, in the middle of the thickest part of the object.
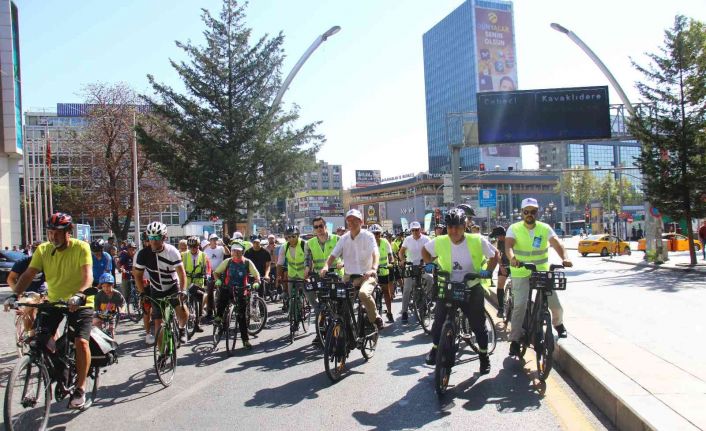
(279, 385)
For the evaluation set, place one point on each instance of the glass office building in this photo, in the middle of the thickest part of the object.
(470, 50)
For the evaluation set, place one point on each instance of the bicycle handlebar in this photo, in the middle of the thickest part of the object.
(532, 267)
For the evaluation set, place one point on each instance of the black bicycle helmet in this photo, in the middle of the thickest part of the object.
(456, 217)
(467, 209)
(497, 231)
(292, 230)
(59, 221)
(97, 245)
(193, 241)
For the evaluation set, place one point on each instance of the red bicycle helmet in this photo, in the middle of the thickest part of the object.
(59, 221)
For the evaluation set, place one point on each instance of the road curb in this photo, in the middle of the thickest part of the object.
(616, 409)
(652, 265)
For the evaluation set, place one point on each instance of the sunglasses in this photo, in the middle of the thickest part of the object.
(532, 212)
(416, 230)
(193, 246)
(154, 237)
(318, 226)
(377, 234)
(291, 236)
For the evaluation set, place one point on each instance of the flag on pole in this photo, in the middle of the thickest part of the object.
(48, 155)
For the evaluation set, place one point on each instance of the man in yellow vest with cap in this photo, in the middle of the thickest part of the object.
(386, 261)
(460, 253)
(528, 241)
(291, 258)
(197, 267)
(318, 249)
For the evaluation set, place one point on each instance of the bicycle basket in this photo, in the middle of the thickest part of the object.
(339, 291)
(412, 271)
(311, 286)
(548, 280)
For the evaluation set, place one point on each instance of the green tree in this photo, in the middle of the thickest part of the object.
(673, 133)
(579, 185)
(219, 142)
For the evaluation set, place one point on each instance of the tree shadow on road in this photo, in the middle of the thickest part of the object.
(286, 359)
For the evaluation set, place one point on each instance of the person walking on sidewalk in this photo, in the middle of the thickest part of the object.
(528, 241)
(702, 236)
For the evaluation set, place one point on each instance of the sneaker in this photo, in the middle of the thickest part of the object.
(390, 318)
(379, 324)
(149, 339)
(514, 349)
(430, 359)
(182, 335)
(561, 330)
(198, 328)
(405, 317)
(484, 363)
(501, 313)
(78, 399)
(247, 345)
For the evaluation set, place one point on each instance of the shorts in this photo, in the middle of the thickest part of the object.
(156, 310)
(80, 322)
(383, 279)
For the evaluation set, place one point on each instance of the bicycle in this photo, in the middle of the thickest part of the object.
(133, 303)
(166, 339)
(421, 298)
(23, 319)
(299, 309)
(508, 303)
(345, 331)
(28, 395)
(324, 314)
(109, 321)
(456, 327)
(256, 313)
(194, 303)
(229, 323)
(270, 291)
(537, 324)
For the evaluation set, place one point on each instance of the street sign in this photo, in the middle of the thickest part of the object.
(448, 189)
(487, 198)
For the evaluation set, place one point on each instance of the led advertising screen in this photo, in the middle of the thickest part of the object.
(495, 50)
(557, 114)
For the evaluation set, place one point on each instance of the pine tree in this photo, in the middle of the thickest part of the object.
(673, 133)
(220, 143)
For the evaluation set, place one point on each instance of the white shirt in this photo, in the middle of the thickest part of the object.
(357, 253)
(462, 261)
(414, 248)
(214, 255)
(511, 234)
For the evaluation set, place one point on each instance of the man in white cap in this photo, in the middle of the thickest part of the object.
(528, 241)
(411, 251)
(215, 254)
(361, 256)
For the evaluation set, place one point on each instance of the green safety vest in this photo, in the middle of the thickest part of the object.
(531, 251)
(320, 256)
(194, 274)
(295, 266)
(382, 264)
(442, 246)
(396, 244)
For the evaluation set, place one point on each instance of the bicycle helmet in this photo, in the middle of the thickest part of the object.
(467, 209)
(292, 230)
(59, 221)
(156, 228)
(238, 235)
(497, 231)
(131, 245)
(193, 241)
(456, 217)
(106, 278)
(376, 228)
(97, 245)
(440, 226)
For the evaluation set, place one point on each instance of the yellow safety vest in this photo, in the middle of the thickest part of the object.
(382, 264)
(319, 256)
(529, 250)
(194, 274)
(295, 266)
(442, 247)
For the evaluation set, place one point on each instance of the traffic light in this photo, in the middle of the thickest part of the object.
(587, 218)
(482, 166)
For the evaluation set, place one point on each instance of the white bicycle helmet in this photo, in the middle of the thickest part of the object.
(237, 235)
(376, 228)
(156, 228)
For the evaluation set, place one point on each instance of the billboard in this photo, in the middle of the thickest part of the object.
(371, 214)
(495, 50)
(556, 114)
(367, 178)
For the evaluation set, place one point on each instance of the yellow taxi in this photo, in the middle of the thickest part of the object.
(675, 242)
(603, 244)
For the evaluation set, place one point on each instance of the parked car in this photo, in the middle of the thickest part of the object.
(675, 242)
(603, 244)
(7, 260)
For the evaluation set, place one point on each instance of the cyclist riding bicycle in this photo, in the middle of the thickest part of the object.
(236, 271)
(318, 249)
(197, 268)
(167, 277)
(102, 261)
(460, 253)
(107, 299)
(411, 250)
(386, 261)
(361, 256)
(262, 260)
(67, 266)
(215, 253)
(125, 265)
(528, 241)
(292, 259)
(498, 234)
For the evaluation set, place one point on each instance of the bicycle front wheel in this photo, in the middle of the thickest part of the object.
(323, 317)
(27, 396)
(370, 337)
(508, 303)
(134, 311)
(492, 335)
(164, 353)
(335, 351)
(445, 358)
(230, 327)
(544, 348)
(192, 307)
(305, 313)
(257, 313)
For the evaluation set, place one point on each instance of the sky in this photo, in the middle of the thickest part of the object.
(365, 84)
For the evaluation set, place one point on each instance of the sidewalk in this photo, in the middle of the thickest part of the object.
(635, 388)
(678, 261)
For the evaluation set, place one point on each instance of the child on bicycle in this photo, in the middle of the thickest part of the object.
(108, 300)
